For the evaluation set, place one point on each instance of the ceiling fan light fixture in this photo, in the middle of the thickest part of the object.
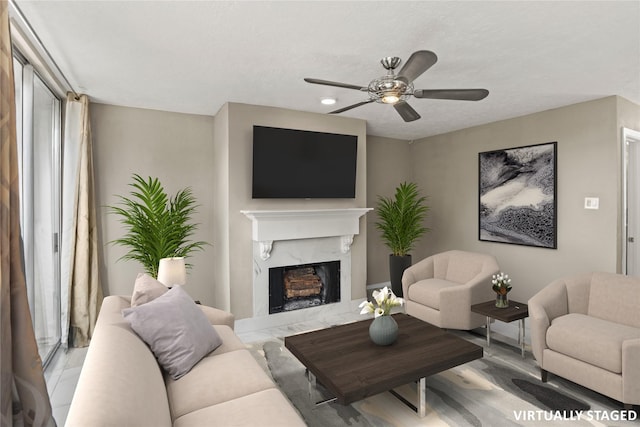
(391, 98)
(328, 101)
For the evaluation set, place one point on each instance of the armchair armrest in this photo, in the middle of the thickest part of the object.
(455, 305)
(480, 286)
(217, 316)
(631, 371)
(459, 299)
(418, 271)
(546, 305)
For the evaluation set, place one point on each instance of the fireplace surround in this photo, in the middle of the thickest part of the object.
(300, 237)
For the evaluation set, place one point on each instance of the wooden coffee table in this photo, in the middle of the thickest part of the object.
(348, 364)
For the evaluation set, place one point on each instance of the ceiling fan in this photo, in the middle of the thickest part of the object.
(395, 89)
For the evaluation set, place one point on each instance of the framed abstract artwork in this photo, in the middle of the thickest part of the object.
(517, 195)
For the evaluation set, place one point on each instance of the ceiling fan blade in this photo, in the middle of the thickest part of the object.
(418, 63)
(406, 111)
(457, 94)
(337, 84)
(342, 110)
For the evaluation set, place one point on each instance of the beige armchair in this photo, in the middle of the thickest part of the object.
(440, 289)
(586, 328)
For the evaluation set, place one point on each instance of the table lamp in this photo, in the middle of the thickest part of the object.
(172, 271)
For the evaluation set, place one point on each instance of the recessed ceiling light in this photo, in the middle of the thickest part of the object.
(328, 101)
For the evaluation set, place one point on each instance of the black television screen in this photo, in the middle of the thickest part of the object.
(291, 163)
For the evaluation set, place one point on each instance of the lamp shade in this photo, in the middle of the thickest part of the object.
(172, 271)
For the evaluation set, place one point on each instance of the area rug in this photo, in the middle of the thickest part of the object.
(484, 392)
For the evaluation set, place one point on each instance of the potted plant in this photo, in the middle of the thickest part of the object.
(157, 226)
(401, 226)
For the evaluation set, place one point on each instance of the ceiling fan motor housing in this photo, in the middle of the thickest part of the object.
(390, 62)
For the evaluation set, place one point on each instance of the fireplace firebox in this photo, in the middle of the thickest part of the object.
(302, 286)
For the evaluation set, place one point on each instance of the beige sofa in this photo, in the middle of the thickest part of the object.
(587, 329)
(121, 383)
(440, 289)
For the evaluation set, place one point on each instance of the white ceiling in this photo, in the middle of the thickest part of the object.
(193, 56)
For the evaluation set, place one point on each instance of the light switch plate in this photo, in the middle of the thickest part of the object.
(591, 202)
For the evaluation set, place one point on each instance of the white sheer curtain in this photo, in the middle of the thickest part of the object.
(81, 293)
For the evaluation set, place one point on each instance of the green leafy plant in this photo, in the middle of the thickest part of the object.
(157, 226)
(401, 218)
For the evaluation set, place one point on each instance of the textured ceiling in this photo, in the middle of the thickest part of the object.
(193, 56)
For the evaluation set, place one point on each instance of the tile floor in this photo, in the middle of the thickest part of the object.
(62, 374)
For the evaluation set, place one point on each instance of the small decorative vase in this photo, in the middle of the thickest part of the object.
(502, 301)
(383, 330)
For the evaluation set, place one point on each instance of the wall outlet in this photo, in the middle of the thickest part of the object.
(591, 202)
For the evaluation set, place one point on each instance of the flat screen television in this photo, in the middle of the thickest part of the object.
(291, 164)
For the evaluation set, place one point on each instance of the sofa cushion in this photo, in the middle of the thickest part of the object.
(176, 330)
(267, 408)
(230, 341)
(616, 298)
(146, 289)
(591, 340)
(427, 291)
(216, 379)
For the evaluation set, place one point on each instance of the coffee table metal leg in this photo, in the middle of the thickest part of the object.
(312, 385)
(488, 331)
(313, 389)
(521, 337)
(422, 397)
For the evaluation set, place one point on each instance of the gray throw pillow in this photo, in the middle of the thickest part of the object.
(146, 289)
(175, 329)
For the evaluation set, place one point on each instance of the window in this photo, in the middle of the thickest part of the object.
(38, 131)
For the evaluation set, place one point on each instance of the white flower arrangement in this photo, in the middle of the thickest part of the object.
(501, 283)
(385, 300)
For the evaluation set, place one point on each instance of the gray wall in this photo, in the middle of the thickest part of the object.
(177, 149)
(628, 117)
(221, 168)
(213, 156)
(446, 167)
(235, 259)
(388, 164)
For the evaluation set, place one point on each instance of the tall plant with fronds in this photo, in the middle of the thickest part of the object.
(158, 226)
(401, 218)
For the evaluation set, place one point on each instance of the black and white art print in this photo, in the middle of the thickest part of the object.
(518, 195)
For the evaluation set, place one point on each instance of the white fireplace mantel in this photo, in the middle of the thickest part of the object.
(273, 225)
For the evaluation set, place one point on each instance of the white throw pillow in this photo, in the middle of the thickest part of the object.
(175, 329)
(146, 289)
